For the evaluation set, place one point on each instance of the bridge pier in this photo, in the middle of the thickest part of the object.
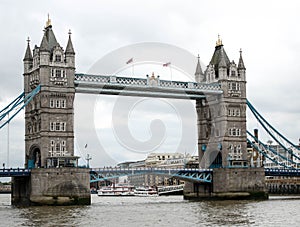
(52, 186)
(230, 183)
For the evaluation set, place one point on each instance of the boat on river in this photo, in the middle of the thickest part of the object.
(145, 191)
(116, 190)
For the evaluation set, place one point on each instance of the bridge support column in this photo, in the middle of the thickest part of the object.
(20, 191)
(230, 183)
(53, 186)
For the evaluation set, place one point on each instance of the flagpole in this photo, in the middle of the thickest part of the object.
(171, 73)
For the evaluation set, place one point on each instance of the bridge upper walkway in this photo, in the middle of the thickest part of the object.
(149, 87)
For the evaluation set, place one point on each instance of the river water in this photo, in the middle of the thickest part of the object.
(156, 211)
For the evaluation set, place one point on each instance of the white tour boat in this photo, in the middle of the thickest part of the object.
(145, 191)
(116, 190)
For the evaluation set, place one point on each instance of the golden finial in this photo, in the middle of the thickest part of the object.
(48, 23)
(219, 42)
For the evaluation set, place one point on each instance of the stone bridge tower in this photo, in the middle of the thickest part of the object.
(49, 133)
(222, 139)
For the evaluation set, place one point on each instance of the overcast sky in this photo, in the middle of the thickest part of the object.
(267, 31)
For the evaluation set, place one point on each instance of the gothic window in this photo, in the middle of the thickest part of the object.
(229, 112)
(52, 144)
(52, 126)
(52, 72)
(51, 103)
(57, 58)
(232, 73)
(234, 86)
(63, 103)
(57, 147)
(57, 103)
(63, 145)
(39, 125)
(63, 126)
(57, 126)
(57, 73)
(234, 112)
(234, 132)
(29, 128)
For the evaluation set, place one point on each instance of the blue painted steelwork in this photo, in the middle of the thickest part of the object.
(149, 87)
(270, 149)
(283, 172)
(196, 175)
(267, 156)
(14, 172)
(262, 122)
(16, 103)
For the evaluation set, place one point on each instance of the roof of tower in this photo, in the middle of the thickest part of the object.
(219, 56)
(70, 49)
(44, 44)
(222, 61)
(241, 62)
(28, 55)
(198, 67)
(50, 37)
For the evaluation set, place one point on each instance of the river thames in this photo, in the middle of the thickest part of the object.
(156, 211)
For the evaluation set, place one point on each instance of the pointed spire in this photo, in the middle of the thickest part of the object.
(44, 44)
(28, 55)
(48, 22)
(199, 75)
(198, 68)
(219, 41)
(241, 62)
(70, 49)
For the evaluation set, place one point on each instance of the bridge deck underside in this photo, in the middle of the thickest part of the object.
(195, 175)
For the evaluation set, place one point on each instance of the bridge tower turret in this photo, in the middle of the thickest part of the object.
(222, 119)
(49, 133)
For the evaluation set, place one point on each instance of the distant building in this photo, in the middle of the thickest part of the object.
(167, 160)
(160, 160)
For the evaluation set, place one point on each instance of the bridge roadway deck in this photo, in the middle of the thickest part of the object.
(149, 87)
(115, 172)
(14, 172)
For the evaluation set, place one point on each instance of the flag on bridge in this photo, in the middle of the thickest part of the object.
(167, 64)
(129, 61)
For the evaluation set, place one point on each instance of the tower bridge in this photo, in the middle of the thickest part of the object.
(220, 96)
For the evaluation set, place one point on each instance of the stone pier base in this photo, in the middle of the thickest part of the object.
(53, 186)
(230, 183)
